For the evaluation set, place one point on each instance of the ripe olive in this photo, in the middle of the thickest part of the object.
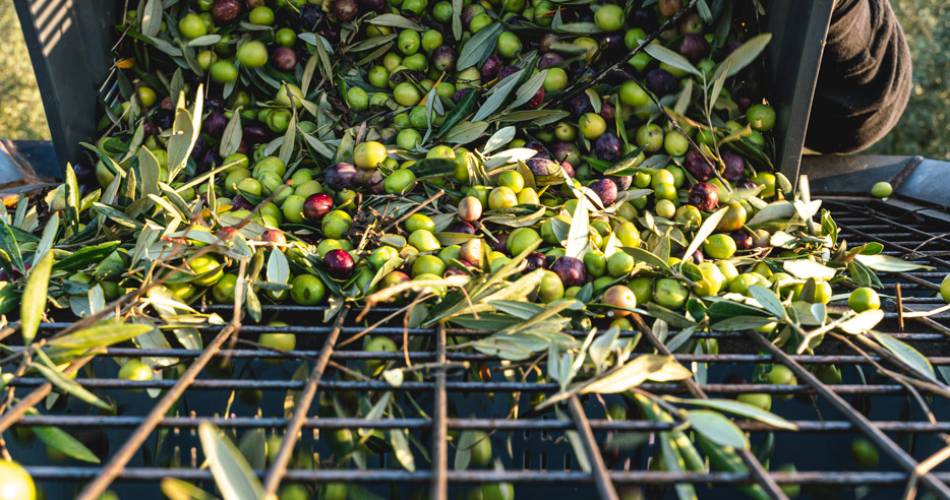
(521, 239)
(622, 298)
(17, 483)
(134, 369)
(592, 125)
(719, 246)
(470, 209)
(670, 293)
(307, 290)
(882, 189)
(864, 299)
(252, 54)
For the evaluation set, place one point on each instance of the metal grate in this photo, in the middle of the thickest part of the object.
(534, 453)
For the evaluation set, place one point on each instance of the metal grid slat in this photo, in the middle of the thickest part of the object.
(546, 464)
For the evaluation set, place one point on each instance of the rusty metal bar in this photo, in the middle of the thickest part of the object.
(279, 466)
(440, 417)
(897, 453)
(598, 470)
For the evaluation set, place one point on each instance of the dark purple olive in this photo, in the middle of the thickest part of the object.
(566, 151)
(238, 203)
(500, 242)
(214, 104)
(460, 94)
(310, 17)
(214, 124)
(317, 205)
(284, 58)
(660, 82)
(735, 166)
(537, 100)
(167, 104)
(339, 263)
(744, 240)
(642, 18)
(536, 260)
(550, 60)
(545, 171)
(443, 58)
(254, 3)
(490, 67)
(606, 190)
(340, 176)
(743, 102)
(691, 24)
(748, 184)
(345, 10)
(225, 11)
(579, 104)
(612, 44)
(207, 159)
(623, 182)
(704, 196)
(370, 178)
(150, 128)
(698, 165)
(698, 257)
(255, 133)
(607, 111)
(469, 12)
(163, 119)
(571, 271)
(507, 71)
(372, 5)
(608, 147)
(694, 47)
(462, 227)
(542, 152)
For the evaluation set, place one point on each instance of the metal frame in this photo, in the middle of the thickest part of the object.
(860, 221)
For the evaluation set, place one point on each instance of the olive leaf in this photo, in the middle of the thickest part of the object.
(46, 240)
(741, 409)
(278, 269)
(457, 7)
(741, 57)
(768, 300)
(498, 139)
(65, 443)
(395, 21)
(778, 210)
(645, 367)
(184, 134)
(479, 47)
(862, 322)
(717, 428)
(889, 264)
(176, 489)
(150, 170)
(906, 353)
(499, 94)
(804, 269)
(34, 297)
(709, 225)
(400, 444)
(466, 132)
(232, 474)
(665, 55)
(528, 89)
(232, 136)
(579, 234)
(152, 17)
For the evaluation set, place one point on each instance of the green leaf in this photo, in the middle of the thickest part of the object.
(463, 449)
(176, 489)
(741, 57)
(862, 322)
(432, 167)
(400, 444)
(152, 17)
(889, 264)
(232, 136)
(644, 367)
(741, 409)
(499, 94)
(70, 386)
(709, 225)
(466, 132)
(740, 323)
(232, 474)
(65, 443)
(528, 89)
(804, 269)
(538, 117)
(150, 171)
(479, 47)
(278, 269)
(498, 139)
(101, 335)
(87, 255)
(579, 233)
(395, 21)
(717, 428)
(665, 55)
(521, 310)
(34, 297)
(773, 211)
(767, 299)
(910, 356)
(46, 241)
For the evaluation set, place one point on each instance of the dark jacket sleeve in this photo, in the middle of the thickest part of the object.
(864, 80)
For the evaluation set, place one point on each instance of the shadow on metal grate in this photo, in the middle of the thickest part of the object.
(534, 453)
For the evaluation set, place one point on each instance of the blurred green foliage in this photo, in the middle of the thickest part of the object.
(21, 113)
(924, 128)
